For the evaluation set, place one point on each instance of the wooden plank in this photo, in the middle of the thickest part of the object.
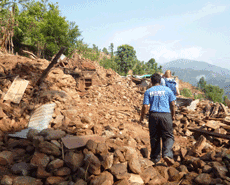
(204, 132)
(80, 141)
(227, 120)
(215, 119)
(227, 127)
(213, 124)
(224, 108)
(215, 110)
(16, 90)
(207, 110)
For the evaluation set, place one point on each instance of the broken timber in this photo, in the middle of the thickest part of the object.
(53, 62)
(204, 132)
(16, 90)
(215, 110)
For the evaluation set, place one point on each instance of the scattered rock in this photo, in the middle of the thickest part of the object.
(6, 180)
(135, 179)
(104, 178)
(26, 180)
(174, 174)
(49, 148)
(63, 171)
(50, 134)
(54, 180)
(40, 159)
(107, 161)
(134, 165)
(203, 178)
(148, 174)
(144, 152)
(6, 158)
(55, 164)
(42, 173)
(102, 149)
(32, 133)
(21, 168)
(74, 160)
(92, 163)
(120, 171)
(91, 146)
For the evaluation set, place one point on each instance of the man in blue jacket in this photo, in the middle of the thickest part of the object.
(161, 114)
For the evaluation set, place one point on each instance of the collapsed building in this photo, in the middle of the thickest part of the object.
(87, 129)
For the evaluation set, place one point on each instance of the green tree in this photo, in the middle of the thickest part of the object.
(108, 63)
(95, 48)
(214, 93)
(199, 96)
(152, 67)
(42, 26)
(111, 47)
(8, 20)
(87, 52)
(186, 92)
(105, 51)
(139, 68)
(202, 83)
(224, 99)
(126, 58)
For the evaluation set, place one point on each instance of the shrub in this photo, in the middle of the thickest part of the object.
(214, 93)
(199, 96)
(186, 92)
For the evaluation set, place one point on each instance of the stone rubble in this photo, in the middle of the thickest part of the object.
(110, 109)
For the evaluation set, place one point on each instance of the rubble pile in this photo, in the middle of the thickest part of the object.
(205, 116)
(42, 159)
(94, 136)
(107, 98)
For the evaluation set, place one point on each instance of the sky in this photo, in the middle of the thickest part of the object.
(165, 30)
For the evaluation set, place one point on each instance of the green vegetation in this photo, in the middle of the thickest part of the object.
(201, 84)
(212, 92)
(124, 59)
(186, 92)
(39, 27)
(199, 96)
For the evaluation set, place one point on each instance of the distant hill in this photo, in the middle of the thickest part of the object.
(191, 71)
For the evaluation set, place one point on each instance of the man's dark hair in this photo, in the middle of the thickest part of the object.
(156, 78)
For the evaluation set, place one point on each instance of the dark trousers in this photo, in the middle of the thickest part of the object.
(161, 127)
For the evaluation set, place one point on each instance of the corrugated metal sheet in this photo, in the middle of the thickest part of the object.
(39, 120)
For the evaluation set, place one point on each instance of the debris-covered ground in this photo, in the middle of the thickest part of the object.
(94, 137)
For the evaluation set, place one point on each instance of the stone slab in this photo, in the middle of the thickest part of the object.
(72, 142)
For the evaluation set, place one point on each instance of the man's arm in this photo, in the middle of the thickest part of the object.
(143, 111)
(177, 91)
(173, 109)
(177, 88)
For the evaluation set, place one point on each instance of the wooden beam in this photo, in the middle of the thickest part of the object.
(204, 132)
(224, 109)
(53, 62)
(215, 110)
(227, 127)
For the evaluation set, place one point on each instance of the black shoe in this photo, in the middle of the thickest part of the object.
(155, 161)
